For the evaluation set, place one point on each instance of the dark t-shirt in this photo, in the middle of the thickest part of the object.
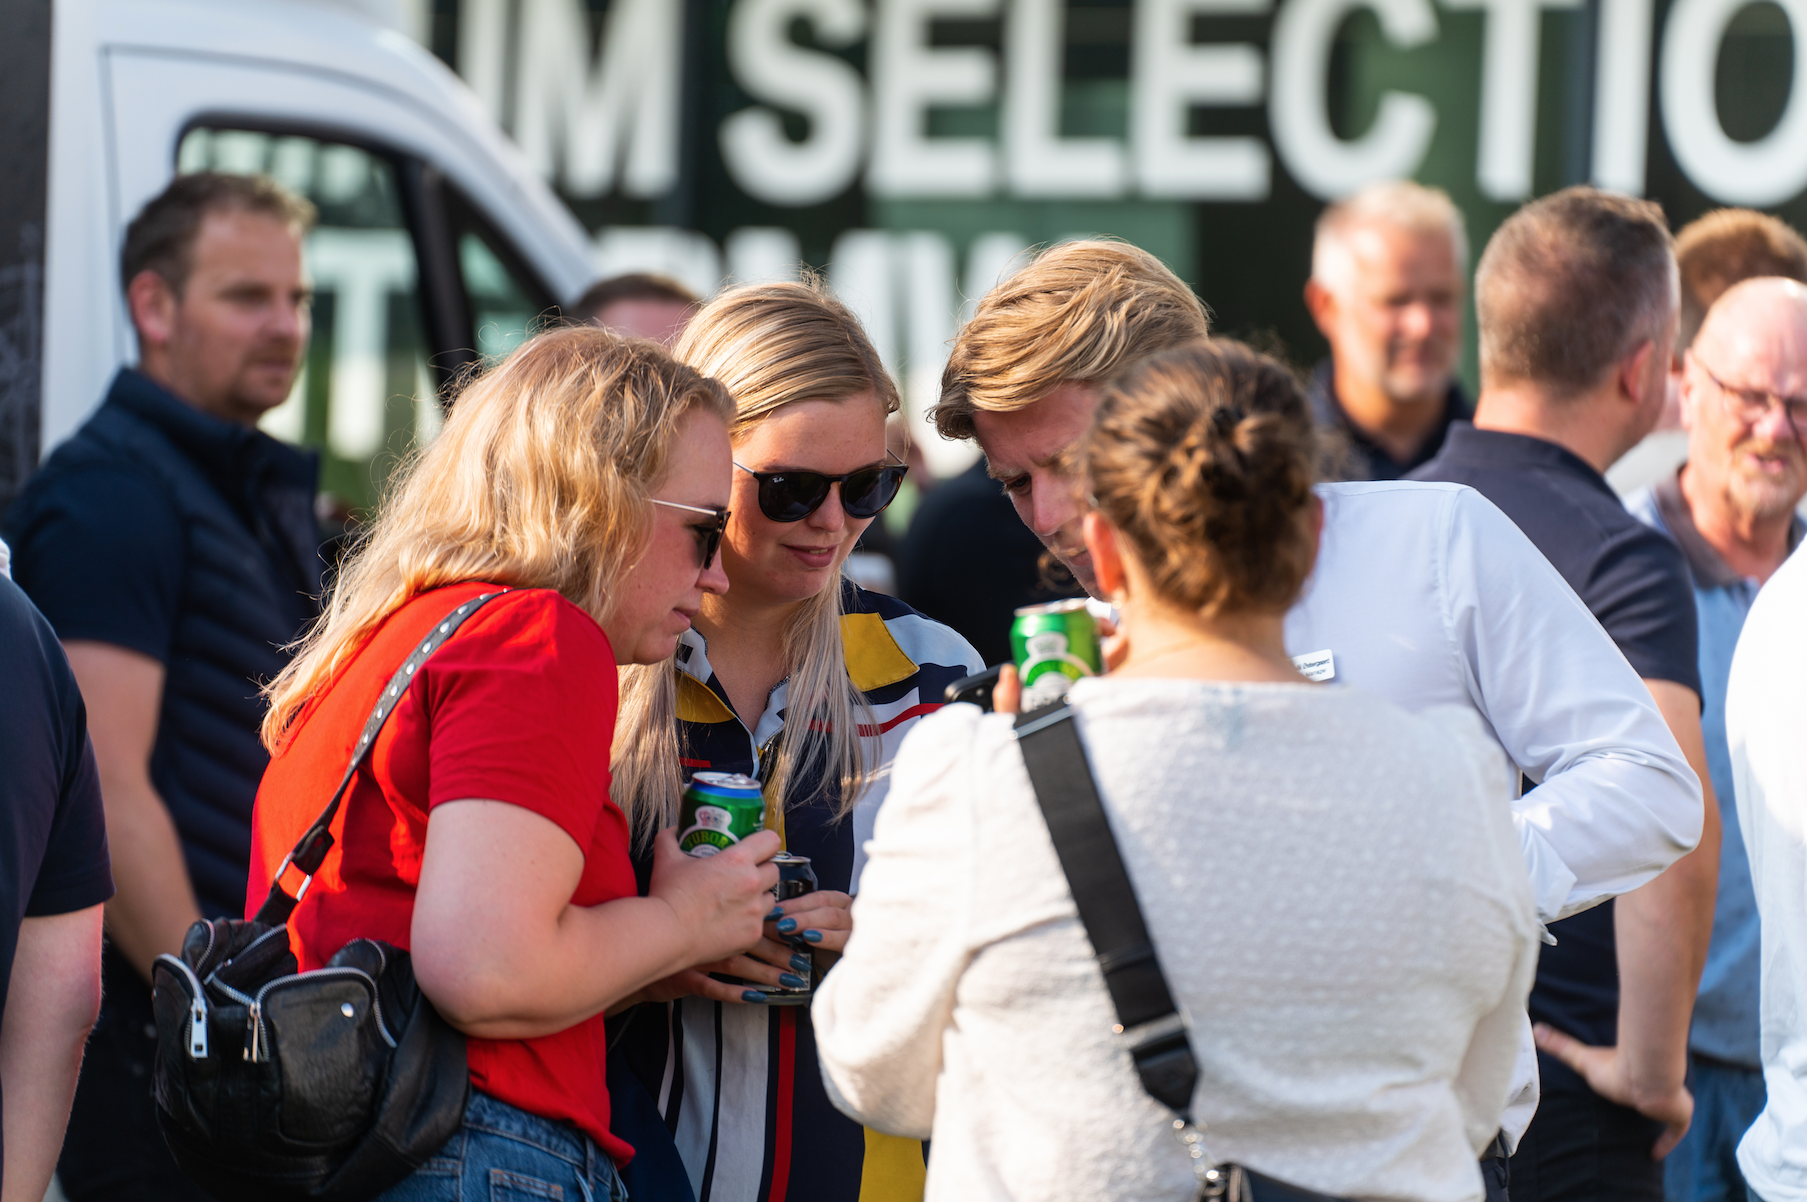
(1367, 459)
(970, 563)
(1636, 583)
(108, 563)
(53, 834)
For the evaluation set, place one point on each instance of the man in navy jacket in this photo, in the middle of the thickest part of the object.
(172, 545)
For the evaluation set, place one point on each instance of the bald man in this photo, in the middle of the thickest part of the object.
(1731, 510)
(1386, 292)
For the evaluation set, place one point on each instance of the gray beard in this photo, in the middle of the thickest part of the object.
(1762, 499)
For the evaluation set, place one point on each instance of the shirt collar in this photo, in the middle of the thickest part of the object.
(230, 454)
(1708, 567)
(693, 661)
(1328, 409)
(1498, 448)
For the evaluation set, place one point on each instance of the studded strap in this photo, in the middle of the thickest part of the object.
(310, 852)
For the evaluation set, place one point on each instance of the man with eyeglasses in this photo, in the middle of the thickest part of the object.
(1576, 297)
(1731, 510)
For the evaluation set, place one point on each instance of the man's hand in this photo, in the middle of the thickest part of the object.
(1606, 1073)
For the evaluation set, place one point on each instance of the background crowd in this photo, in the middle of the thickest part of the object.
(1503, 902)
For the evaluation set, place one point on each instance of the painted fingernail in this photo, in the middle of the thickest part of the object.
(776, 914)
(813, 936)
(791, 980)
(751, 995)
(801, 963)
(786, 926)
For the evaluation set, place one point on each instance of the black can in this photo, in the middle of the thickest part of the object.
(795, 878)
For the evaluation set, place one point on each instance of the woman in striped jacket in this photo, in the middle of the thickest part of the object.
(801, 679)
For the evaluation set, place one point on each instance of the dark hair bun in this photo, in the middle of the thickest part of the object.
(1203, 458)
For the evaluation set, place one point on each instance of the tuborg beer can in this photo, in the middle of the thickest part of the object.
(719, 810)
(1055, 644)
(795, 878)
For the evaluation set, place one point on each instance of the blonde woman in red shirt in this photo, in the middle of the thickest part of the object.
(589, 475)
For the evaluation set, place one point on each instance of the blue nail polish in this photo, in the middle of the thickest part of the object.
(791, 980)
(813, 936)
(776, 914)
(751, 995)
(786, 926)
(801, 963)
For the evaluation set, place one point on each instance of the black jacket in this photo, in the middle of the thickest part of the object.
(171, 532)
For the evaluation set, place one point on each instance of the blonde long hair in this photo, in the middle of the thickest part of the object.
(539, 479)
(770, 345)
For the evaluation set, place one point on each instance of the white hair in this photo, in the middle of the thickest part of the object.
(1397, 204)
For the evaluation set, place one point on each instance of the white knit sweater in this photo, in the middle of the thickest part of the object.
(1337, 897)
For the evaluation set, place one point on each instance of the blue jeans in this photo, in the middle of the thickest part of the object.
(504, 1154)
(1704, 1166)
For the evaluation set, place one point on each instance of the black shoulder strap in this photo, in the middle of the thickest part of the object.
(310, 852)
(1147, 1019)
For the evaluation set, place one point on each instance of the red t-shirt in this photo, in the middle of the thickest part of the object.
(517, 706)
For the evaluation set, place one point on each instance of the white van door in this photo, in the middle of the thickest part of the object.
(414, 278)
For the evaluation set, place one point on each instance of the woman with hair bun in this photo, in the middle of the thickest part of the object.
(1333, 885)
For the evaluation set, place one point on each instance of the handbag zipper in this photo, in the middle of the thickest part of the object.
(257, 1043)
(197, 1008)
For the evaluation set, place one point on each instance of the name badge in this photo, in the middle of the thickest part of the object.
(1316, 666)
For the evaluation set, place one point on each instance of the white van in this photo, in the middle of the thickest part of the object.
(437, 243)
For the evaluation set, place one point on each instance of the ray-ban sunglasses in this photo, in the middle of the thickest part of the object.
(792, 496)
(708, 534)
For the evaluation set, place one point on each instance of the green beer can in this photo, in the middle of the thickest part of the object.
(1054, 645)
(719, 810)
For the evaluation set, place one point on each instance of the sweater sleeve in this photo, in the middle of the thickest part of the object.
(1484, 1083)
(880, 1013)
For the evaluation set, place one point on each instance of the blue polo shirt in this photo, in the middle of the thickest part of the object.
(1726, 1010)
(1635, 582)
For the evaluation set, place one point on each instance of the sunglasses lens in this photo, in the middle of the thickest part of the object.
(791, 496)
(865, 494)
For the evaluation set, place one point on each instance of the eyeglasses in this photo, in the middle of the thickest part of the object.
(793, 496)
(708, 534)
(1751, 405)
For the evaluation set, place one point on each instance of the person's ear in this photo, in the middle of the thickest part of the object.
(1320, 302)
(1687, 393)
(1634, 375)
(153, 305)
(1107, 557)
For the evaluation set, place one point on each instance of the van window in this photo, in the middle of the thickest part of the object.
(365, 395)
(506, 299)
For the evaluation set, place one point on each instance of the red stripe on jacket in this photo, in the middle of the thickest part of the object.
(873, 732)
(787, 1068)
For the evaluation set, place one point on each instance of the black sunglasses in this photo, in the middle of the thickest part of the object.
(793, 496)
(708, 534)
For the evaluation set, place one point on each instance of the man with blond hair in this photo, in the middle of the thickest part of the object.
(1731, 510)
(1404, 570)
(1386, 291)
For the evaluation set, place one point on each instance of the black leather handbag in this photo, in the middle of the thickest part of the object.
(328, 1086)
(1149, 1025)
